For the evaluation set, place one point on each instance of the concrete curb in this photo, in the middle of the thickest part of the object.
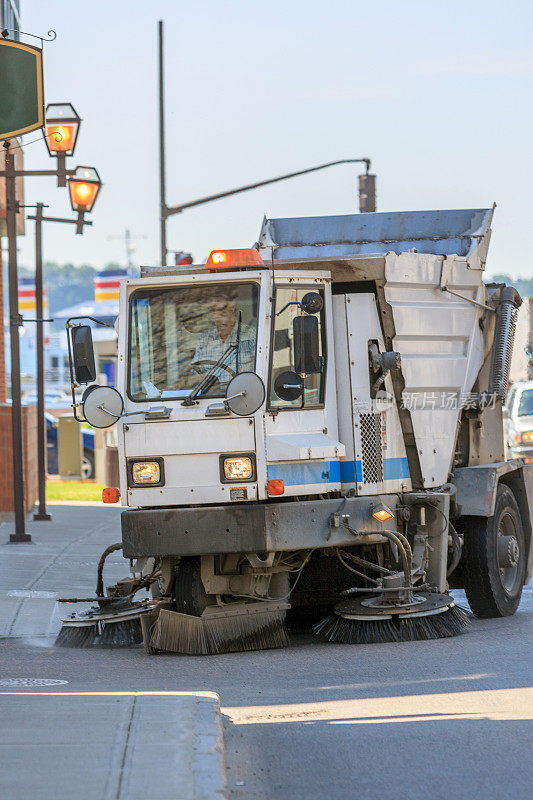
(133, 745)
(209, 762)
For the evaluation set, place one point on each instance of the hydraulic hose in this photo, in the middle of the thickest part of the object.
(404, 548)
(406, 559)
(100, 580)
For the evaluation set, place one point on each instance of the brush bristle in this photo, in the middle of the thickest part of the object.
(101, 634)
(336, 628)
(219, 631)
(120, 634)
(76, 636)
(262, 631)
(179, 633)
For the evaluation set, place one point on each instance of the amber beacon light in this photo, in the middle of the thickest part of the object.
(234, 259)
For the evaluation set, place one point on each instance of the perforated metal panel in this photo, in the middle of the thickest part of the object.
(371, 447)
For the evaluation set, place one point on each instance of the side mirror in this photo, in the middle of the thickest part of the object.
(289, 386)
(102, 406)
(83, 354)
(245, 394)
(306, 345)
(312, 303)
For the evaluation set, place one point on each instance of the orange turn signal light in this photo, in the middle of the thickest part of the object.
(382, 513)
(231, 259)
(275, 487)
(110, 495)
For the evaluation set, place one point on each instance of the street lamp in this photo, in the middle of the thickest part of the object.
(62, 125)
(83, 186)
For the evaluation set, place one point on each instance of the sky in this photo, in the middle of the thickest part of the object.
(438, 95)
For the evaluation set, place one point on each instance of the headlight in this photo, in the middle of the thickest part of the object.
(527, 437)
(238, 468)
(146, 472)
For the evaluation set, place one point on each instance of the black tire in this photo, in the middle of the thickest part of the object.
(492, 590)
(190, 596)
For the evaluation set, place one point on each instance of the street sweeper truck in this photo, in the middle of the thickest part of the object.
(310, 434)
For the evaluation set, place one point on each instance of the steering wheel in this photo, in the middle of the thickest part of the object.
(208, 363)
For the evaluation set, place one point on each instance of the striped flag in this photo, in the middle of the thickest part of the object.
(27, 297)
(106, 288)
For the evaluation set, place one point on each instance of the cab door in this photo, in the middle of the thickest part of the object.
(301, 436)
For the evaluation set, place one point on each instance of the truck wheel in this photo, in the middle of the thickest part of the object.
(494, 558)
(190, 596)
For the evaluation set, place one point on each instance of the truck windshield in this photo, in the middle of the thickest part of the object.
(179, 333)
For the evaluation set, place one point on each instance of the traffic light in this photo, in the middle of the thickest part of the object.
(367, 193)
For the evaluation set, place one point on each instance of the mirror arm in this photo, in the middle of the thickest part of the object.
(233, 396)
(93, 319)
(291, 303)
(119, 416)
(73, 384)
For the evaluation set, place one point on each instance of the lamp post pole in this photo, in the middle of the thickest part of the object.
(15, 321)
(41, 434)
(39, 218)
(162, 187)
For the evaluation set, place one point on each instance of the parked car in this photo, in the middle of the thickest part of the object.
(87, 462)
(518, 420)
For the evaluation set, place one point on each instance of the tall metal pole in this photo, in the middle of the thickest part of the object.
(41, 430)
(162, 193)
(15, 321)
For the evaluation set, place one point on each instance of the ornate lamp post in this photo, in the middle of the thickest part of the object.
(62, 126)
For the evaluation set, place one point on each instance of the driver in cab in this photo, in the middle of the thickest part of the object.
(228, 329)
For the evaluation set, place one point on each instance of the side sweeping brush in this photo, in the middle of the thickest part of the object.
(114, 623)
(234, 628)
(430, 616)
(115, 619)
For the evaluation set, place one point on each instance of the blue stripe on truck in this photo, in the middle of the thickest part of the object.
(301, 473)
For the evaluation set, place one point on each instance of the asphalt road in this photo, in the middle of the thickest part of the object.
(448, 719)
(441, 719)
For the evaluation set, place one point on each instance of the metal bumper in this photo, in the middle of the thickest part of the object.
(249, 528)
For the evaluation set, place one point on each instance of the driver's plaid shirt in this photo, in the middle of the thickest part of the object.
(210, 347)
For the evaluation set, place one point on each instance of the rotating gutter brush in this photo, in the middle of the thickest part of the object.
(113, 622)
(398, 613)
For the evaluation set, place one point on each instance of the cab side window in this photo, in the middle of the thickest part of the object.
(298, 355)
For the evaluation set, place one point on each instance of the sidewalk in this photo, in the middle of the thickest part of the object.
(112, 746)
(61, 560)
(91, 745)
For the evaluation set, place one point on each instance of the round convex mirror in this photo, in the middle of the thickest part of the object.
(102, 406)
(289, 385)
(87, 391)
(245, 394)
(312, 303)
